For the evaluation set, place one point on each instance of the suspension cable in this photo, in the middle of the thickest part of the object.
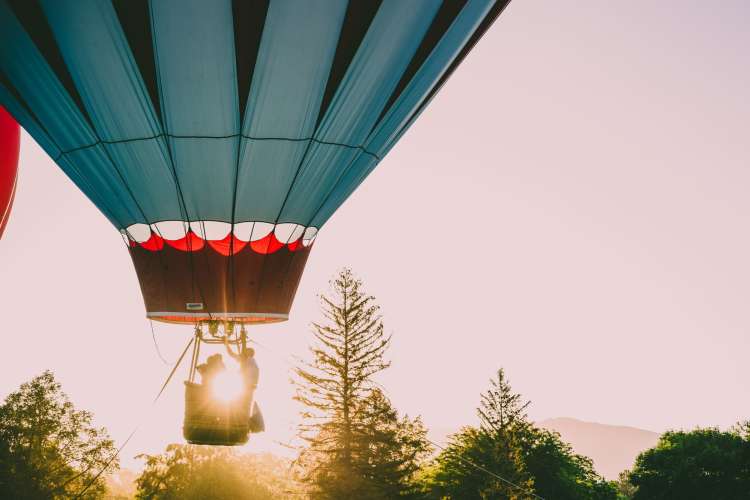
(156, 344)
(283, 357)
(280, 356)
(137, 427)
(487, 471)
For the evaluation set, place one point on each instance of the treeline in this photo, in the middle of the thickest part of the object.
(357, 446)
(353, 443)
(203, 472)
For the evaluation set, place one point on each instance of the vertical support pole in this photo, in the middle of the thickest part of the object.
(196, 352)
(243, 339)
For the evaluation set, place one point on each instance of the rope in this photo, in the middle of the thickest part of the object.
(169, 378)
(360, 147)
(282, 357)
(176, 365)
(487, 471)
(466, 461)
(156, 345)
(137, 427)
(196, 353)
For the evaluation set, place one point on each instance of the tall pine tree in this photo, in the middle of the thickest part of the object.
(497, 445)
(355, 443)
(536, 461)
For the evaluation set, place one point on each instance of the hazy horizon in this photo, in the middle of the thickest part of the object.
(572, 207)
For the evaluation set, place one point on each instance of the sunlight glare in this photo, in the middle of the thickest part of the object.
(227, 386)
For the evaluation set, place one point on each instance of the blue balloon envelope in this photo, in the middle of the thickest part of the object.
(219, 137)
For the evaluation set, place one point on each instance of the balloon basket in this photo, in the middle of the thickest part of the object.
(214, 422)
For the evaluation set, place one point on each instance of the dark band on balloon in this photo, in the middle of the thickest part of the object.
(265, 284)
(32, 18)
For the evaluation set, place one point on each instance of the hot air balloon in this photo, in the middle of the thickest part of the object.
(219, 137)
(10, 142)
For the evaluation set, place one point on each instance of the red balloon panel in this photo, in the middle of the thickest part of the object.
(10, 144)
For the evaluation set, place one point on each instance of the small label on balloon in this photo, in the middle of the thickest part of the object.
(194, 306)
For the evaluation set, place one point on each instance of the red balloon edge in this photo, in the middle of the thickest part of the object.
(10, 146)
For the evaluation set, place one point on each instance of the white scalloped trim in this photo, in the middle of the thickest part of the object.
(173, 230)
(216, 231)
(309, 236)
(170, 229)
(139, 232)
(261, 230)
(288, 232)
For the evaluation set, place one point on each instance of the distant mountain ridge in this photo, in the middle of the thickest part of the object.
(613, 448)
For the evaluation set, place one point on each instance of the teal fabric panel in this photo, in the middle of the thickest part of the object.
(394, 123)
(400, 116)
(103, 185)
(28, 122)
(31, 76)
(267, 170)
(28, 72)
(145, 168)
(98, 193)
(348, 182)
(194, 159)
(107, 77)
(294, 61)
(36, 131)
(382, 57)
(206, 173)
(195, 59)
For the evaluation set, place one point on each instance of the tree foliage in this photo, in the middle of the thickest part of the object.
(48, 449)
(198, 472)
(558, 472)
(699, 464)
(460, 470)
(625, 489)
(355, 442)
(391, 448)
(121, 485)
(507, 445)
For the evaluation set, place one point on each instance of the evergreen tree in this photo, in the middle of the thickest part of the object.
(497, 445)
(391, 449)
(506, 429)
(506, 444)
(355, 443)
(501, 410)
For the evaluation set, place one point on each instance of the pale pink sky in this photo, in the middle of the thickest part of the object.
(573, 207)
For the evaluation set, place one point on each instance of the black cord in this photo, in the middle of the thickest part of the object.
(230, 136)
(462, 459)
(479, 467)
(156, 345)
(137, 427)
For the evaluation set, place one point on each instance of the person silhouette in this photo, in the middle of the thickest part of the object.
(210, 369)
(250, 376)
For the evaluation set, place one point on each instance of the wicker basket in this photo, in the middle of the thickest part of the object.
(214, 422)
